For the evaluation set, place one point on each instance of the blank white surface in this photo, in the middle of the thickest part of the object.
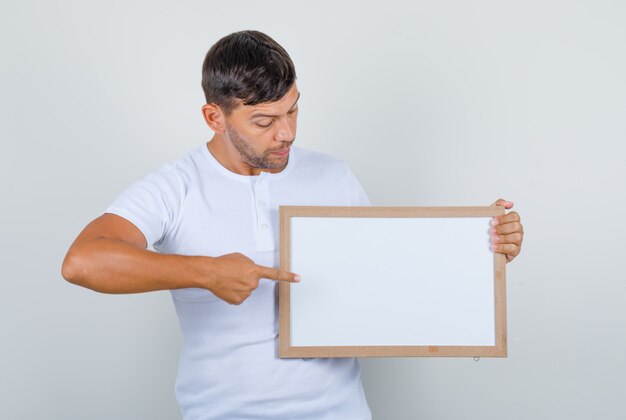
(392, 281)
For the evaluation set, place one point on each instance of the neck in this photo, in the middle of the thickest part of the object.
(226, 154)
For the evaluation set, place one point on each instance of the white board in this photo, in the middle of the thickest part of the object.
(399, 285)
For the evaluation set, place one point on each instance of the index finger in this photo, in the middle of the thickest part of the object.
(506, 218)
(278, 275)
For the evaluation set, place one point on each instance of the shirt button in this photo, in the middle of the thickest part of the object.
(264, 225)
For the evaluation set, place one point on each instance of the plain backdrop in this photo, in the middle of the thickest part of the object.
(431, 103)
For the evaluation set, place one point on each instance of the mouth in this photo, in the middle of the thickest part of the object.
(282, 152)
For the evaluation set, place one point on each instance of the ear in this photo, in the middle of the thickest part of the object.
(214, 118)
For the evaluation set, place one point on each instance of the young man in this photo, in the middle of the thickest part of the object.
(212, 216)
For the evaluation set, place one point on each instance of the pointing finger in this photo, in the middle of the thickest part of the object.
(276, 274)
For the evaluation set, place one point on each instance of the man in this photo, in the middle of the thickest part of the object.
(212, 216)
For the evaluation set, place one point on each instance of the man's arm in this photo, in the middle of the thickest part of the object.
(110, 256)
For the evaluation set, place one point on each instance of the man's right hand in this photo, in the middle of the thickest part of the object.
(110, 256)
(233, 277)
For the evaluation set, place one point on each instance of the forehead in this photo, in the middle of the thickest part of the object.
(278, 107)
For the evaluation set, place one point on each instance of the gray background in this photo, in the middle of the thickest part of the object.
(431, 103)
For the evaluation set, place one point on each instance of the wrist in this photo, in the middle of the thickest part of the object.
(201, 271)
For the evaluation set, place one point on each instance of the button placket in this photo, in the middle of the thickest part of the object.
(264, 226)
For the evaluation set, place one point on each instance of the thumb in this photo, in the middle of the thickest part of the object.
(502, 202)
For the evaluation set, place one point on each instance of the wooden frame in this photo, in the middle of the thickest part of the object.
(493, 331)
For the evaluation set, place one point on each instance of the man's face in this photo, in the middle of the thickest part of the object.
(263, 133)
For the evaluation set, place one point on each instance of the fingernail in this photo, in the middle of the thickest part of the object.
(495, 238)
(492, 247)
(297, 277)
(494, 222)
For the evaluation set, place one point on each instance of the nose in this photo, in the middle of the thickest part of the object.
(285, 132)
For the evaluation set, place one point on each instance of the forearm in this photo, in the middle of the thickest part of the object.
(114, 266)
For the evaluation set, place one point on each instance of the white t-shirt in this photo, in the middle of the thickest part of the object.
(229, 365)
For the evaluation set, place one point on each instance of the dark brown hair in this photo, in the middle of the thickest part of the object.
(246, 65)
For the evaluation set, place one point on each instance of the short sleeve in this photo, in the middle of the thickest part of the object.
(355, 191)
(152, 204)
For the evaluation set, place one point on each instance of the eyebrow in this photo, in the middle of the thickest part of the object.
(269, 115)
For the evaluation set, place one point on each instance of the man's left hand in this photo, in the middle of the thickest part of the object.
(507, 232)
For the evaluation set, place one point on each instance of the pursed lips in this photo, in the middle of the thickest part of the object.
(281, 151)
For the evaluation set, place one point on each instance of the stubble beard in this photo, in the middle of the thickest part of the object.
(267, 161)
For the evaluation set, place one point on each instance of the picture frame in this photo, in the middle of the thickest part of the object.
(391, 282)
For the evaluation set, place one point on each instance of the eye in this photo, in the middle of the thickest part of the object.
(264, 125)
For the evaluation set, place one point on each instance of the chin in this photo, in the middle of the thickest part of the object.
(277, 163)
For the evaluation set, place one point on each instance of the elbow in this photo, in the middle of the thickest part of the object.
(78, 269)
(71, 267)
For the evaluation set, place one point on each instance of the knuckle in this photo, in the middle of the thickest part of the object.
(515, 216)
(241, 298)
